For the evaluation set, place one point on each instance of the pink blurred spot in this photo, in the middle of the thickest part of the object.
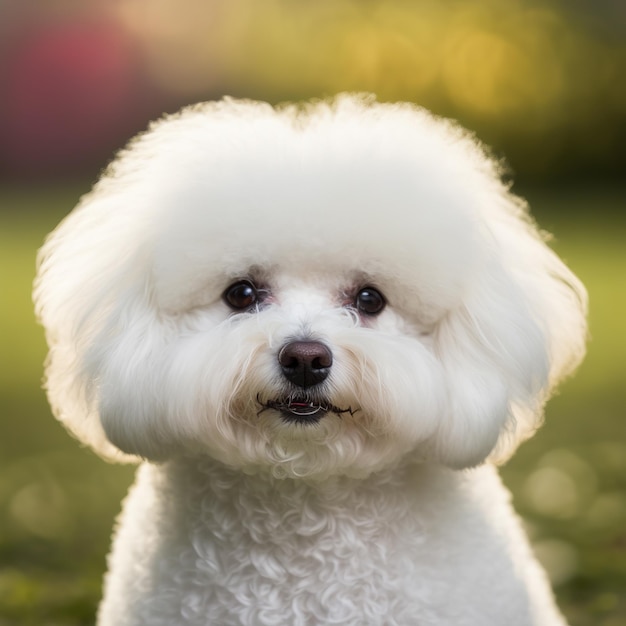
(70, 91)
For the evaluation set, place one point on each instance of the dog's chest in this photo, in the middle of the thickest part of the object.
(279, 548)
(212, 546)
(231, 549)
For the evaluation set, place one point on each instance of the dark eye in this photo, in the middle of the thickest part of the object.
(241, 295)
(369, 301)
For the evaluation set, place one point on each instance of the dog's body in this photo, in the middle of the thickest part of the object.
(319, 327)
(424, 545)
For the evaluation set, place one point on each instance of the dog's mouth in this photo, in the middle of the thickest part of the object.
(301, 409)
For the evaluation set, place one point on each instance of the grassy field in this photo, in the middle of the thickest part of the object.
(58, 501)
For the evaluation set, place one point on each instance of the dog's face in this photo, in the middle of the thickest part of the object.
(317, 293)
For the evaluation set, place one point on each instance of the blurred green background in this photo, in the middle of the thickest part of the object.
(543, 83)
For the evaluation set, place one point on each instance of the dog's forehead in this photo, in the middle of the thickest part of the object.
(315, 209)
(283, 240)
(365, 210)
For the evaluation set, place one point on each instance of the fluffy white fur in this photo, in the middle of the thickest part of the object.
(387, 513)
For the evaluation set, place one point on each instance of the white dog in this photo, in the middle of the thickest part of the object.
(318, 327)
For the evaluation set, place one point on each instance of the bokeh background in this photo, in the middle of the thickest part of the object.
(542, 82)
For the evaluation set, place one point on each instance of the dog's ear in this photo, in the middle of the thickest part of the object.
(520, 330)
(82, 276)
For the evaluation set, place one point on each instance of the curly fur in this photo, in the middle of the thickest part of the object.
(370, 514)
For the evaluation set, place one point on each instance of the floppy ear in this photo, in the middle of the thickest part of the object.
(85, 273)
(520, 330)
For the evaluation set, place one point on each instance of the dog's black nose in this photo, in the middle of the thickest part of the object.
(305, 363)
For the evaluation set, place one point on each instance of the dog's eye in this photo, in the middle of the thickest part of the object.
(369, 301)
(241, 295)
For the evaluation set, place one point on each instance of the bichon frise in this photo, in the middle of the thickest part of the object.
(318, 327)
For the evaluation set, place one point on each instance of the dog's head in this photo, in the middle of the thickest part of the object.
(316, 290)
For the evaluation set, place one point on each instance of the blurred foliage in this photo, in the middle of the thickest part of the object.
(58, 501)
(543, 81)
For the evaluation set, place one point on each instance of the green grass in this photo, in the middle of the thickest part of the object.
(58, 501)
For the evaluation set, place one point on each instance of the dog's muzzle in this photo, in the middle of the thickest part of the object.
(305, 364)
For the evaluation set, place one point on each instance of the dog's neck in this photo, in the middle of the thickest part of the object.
(205, 473)
(198, 489)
